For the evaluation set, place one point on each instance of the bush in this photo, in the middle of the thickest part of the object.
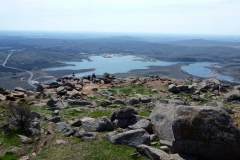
(19, 116)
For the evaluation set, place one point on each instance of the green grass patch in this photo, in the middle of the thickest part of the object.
(126, 91)
(156, 145)
(92, 98)
(11, 139)
(99, 113)
(10, 156)
(145, 113)
(98, 102)
(144, 91)
(115, 105)
(113, 91)
(40, 109)
(88, 149)
(73, 114)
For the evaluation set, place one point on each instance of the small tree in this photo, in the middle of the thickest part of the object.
(19, 116)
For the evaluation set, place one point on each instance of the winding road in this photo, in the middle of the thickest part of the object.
(31, 74)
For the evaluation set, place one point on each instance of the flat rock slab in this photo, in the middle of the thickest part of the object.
(131, 138)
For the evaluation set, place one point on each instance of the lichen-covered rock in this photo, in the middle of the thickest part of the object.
(203, 131)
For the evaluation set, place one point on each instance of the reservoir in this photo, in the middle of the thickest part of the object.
(111, 65)
(199, 69)
(123, 64)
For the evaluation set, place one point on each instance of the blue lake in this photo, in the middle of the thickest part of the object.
(124, 64)
(199, 69)
(112, 65)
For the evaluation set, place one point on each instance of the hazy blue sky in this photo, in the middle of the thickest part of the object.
(154, 16)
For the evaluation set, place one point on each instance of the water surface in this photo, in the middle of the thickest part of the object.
(199, 69)
(124, 64)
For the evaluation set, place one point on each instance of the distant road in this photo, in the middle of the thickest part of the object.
(31, 74)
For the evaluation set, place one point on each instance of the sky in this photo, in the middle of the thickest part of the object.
(137, 16)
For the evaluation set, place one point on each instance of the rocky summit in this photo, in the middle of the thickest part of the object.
(152, 117)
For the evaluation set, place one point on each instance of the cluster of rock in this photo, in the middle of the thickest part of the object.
(186, 131)
(17, 93)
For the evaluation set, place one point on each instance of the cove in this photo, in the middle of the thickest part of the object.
(199, 69)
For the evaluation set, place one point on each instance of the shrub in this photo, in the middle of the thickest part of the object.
(19, 116)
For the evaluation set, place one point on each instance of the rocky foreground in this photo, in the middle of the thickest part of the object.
(191, 119)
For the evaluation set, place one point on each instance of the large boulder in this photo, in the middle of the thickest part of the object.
(203, 131)
(97, 124)
(161, 118)
(131, 138)
(173, 88)
(233, 96)
(126, 112)
(207, 84)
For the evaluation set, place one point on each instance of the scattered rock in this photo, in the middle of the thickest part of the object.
(62, 127)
